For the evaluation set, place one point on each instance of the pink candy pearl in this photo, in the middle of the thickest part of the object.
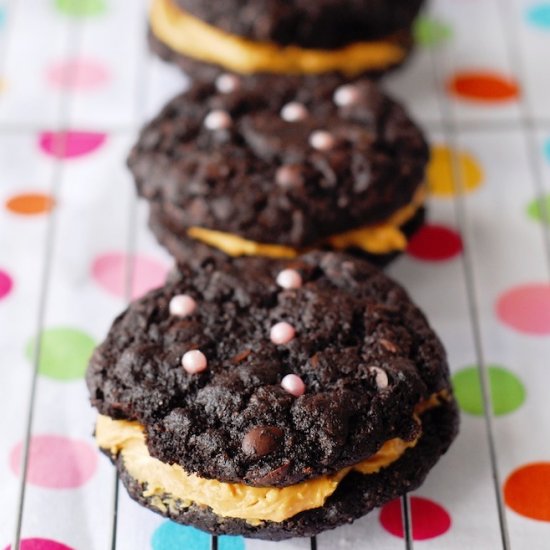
(182, 305)
(194, 361)
(294, 112)
(347, 95)
(289, 278)
(288, 176)
(381, 377)
(322, 140)
(282, 333)
(294, 385)
(227, 83)
(218, 120)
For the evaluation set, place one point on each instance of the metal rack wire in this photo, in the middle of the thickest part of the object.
(73, 36)
(451, 133)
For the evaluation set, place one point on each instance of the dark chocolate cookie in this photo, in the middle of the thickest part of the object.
(273, 36)
(269, 373)
(288, 162)
(274, 382)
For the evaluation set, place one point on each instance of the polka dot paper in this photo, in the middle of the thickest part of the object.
(429, 519)
(74, 247)
(56, 462)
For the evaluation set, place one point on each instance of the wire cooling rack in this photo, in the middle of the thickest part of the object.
(53, 261)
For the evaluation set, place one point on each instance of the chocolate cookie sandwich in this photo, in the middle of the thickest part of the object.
(350, 37)
(275, 405)
(275, 167)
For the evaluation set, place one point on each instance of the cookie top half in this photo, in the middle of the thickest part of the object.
(270, 372)
(349, 37)
(289, 161)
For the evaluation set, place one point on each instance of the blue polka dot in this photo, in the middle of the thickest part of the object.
(539, 15)
(547, 149)
(170, 536)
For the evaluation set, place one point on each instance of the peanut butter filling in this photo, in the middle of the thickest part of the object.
(190, 36)
(235, 500)
(382, 238)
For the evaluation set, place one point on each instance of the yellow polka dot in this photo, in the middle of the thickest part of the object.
(442, 182)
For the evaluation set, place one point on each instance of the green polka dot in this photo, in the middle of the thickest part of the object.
(64, 353)
(507, 390)
(429, 32)
(539, 209)
(81, 8)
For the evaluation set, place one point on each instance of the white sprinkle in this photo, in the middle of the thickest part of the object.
(347, 95)
(322, 140)
(182, 305)
(282, 333)
(288, 176)
(218, 120)
(294, 112)
(227, 83)
(194, 361)
(381, 377)
(289, 278)
(294, 385)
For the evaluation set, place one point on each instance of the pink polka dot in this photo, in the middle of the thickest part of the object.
(110, 272)
(70, 145)
(429, 519)
(56, 462)
(435, 243)
(77, 74)
(526, 308)
(6, 284)
(41, 544)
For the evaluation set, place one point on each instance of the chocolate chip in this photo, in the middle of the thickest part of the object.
(261, 440)
(273, 477)
(314, 361)
(390, 346)
(240, 357)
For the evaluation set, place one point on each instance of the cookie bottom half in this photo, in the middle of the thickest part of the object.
(355, 496)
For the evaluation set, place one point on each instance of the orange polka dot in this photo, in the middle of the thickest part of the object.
(30, 204)
(483, 86)
(527, 491)
(443, 182)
